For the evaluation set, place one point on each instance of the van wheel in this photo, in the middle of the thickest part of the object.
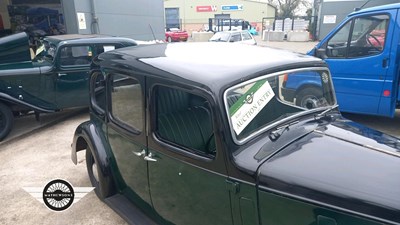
(102, 185)
(6, 121)
(308, 98)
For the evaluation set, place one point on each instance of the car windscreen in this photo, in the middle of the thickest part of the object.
(220, 36)
(263, 103)
(45, 51)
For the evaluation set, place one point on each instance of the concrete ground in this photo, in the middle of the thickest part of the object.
(37, 152)
(34, 160)
(302, 47)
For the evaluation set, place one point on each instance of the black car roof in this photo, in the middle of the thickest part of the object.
(207, 63)
(87, 38)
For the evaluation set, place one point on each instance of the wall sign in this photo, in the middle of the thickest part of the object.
(329, 19)
(231, 7)
(206, 8)
(81, 21)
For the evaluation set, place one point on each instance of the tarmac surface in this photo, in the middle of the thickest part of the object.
(37, 152)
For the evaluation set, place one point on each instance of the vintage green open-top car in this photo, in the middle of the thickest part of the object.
(53, 77)
(199, 133)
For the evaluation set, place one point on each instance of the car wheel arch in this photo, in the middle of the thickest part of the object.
(87, 138)
(305, 86)
(6, 120)
(314, 89)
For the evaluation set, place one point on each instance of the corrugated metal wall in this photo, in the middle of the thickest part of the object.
(127, 18)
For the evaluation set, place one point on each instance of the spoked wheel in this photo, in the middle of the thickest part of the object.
(6, 121)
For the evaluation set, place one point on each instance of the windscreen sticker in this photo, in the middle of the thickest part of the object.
(39, 50)
(250, 104)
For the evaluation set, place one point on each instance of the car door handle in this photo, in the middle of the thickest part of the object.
(149, 158)
(62, 74)
(143, 152)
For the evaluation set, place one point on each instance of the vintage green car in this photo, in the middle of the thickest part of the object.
(51, 78)
(199, 133)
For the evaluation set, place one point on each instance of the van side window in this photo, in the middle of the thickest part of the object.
(363, 36)
(184, 120)
(126, 102)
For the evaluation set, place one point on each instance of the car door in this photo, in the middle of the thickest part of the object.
(127, 136)
(187, 174)
(73, 75)
(360, 60)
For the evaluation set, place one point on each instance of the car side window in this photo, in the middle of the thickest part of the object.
(97, 91)
(246, 36)
(126, 102)
(363, 36)
(235, 38)
(184, 120)
(76, 55)
(100, 48)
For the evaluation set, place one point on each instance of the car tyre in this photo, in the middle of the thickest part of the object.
(102, 185)
(308, 97)
(6, 120)
(169, 39)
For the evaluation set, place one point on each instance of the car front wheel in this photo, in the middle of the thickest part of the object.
(308, 98)
(169, 39)
(102, 185)
(6, 121)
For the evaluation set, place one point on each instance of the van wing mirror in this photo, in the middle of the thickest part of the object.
(321, 53)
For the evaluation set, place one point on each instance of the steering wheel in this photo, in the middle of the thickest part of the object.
(378, 45)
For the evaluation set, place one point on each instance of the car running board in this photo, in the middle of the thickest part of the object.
(128, 211)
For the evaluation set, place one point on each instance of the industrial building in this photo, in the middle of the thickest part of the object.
(193, 15)
(332, 12)
(137, 19)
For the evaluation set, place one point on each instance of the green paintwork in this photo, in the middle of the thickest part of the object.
(14, 48)
(45, 84)
(132, 168)
(184, 194)
(276, 209)
(243, 203)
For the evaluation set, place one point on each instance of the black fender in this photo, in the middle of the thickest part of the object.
(305, 86)
(86, 134)
(11, 100)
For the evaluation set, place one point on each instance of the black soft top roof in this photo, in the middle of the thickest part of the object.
(89, 38)
(207, 63)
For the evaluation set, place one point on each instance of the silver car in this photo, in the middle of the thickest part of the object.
(242, 36)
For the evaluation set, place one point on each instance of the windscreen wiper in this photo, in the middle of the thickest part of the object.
(324, 113)
(274, 135)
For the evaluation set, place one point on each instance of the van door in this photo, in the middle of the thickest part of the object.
(359, 58)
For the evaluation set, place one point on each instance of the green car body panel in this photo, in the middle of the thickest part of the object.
(44, 83)
(171, 154)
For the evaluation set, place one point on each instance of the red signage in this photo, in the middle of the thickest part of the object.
(206, 8)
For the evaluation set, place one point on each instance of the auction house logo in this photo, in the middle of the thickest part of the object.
(58, 195)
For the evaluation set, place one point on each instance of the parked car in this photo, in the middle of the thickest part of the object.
(234, 36)
(195, 133)
(175, 34)
(56, 78)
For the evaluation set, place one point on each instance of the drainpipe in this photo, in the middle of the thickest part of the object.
(94, 26)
